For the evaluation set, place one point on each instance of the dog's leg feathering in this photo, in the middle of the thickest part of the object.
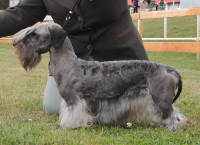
(75, 116)
(175, 121)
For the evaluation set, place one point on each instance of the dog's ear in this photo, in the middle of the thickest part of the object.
(58, 36)
(22, 34)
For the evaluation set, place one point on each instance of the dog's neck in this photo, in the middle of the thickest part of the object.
(63, 57)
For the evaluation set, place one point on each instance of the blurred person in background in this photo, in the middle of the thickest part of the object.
(143, 5)
(151, 5)
(162, 5)
(135, 6)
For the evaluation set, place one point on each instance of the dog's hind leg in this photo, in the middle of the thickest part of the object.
(171, 118)
(144, 108)
(175, 120)
(74, 116)
(162, 92)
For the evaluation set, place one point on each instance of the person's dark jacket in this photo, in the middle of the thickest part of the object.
(100, 28)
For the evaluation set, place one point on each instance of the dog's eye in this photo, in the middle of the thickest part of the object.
(34, 36)
(37, 36)
(27, 42)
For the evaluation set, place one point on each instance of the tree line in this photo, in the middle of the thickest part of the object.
(4, 4)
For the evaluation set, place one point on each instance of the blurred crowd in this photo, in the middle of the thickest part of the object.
(147, 5)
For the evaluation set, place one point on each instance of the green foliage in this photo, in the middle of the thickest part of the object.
(4, 4)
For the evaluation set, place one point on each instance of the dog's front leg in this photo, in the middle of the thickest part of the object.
(74, 115)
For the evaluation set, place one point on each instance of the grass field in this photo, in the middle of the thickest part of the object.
(177, 27)
(21, 111)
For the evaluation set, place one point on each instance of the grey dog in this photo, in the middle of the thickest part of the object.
(113, 92)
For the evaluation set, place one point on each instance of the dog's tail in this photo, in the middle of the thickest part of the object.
(179, 90)
(175, 73)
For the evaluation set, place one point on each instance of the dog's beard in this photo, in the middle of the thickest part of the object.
(28, 56)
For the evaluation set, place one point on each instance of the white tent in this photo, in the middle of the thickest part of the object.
(13, 2)
(189, 3)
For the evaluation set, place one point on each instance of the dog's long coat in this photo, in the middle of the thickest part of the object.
(106, 92)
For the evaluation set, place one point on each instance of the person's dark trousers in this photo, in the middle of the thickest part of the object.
(135, 9)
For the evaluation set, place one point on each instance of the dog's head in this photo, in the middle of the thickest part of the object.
(31, 42)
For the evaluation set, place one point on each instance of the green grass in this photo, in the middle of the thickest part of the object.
(21, 97)
(177, 27)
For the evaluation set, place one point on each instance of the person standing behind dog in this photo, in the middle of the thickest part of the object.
(151, 4)
(95, 31)
(161, 5)
(135, 6)
(143, 5)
